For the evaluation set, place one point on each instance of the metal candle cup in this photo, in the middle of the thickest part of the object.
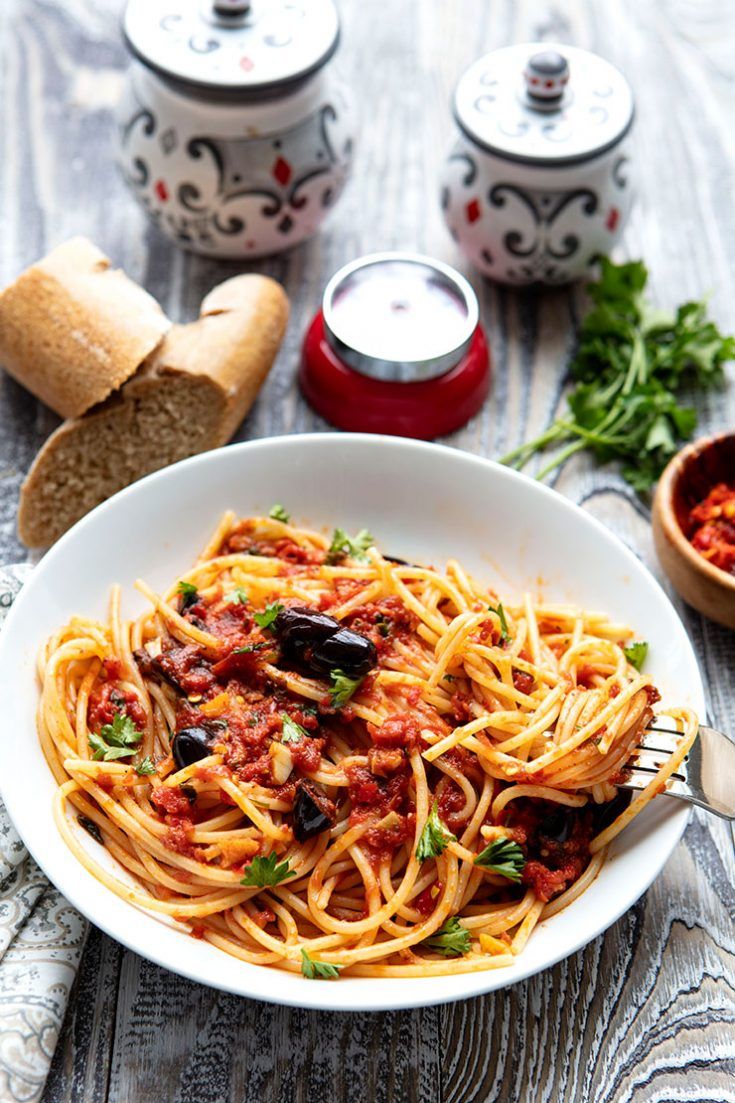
(396, 348)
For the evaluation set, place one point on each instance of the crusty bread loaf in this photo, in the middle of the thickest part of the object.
(73, 329)
(190, 395)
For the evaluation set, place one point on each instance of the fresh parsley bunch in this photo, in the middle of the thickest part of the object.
(632, 366)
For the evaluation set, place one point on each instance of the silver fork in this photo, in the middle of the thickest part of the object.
(706, 778)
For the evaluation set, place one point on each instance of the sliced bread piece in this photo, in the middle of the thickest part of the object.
(189, 396)
(73, 329)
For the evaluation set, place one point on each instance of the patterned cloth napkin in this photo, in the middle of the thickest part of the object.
(41, 941)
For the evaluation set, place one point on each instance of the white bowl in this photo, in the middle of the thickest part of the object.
(421, 501)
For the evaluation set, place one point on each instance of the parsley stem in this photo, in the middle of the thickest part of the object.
(560, 458)
(519, 456)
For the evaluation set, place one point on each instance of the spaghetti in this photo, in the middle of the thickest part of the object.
(321, 759)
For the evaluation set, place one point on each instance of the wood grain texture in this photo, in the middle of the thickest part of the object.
(646, 1012)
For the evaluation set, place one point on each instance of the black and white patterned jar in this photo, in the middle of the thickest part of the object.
(235, 132)
(536, 186)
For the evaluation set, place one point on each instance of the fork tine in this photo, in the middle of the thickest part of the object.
(644, 747)
(639, 778)
(654, 770)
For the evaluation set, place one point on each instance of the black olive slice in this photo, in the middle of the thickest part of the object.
(91, 828)
(558, 826)
(190, 745)
(189, 598)
(604, 814)
(313, 811)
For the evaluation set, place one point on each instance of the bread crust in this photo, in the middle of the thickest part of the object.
(73, 329)
(190, 395)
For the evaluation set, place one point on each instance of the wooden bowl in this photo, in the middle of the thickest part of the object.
(688, 479)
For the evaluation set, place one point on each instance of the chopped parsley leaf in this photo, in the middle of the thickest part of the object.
(500, 612)
(353, 546)
(318, 970)
(266, 871)
(189, 595)
(269, 614)
(292, 732)
(248, 648)
(145, 768)
(116, 740)
(342, 688)
(451, 940)
(502, 856)
(435, 838)
(636, 654)
(238, 596)
(278, 513)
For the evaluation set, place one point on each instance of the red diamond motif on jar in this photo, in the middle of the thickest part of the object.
(161, 190)
(472, 210)
(613, 217)
(282, 171)
(246, 63)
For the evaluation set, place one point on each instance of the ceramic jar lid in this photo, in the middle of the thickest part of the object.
(543, 104)
(232, 46)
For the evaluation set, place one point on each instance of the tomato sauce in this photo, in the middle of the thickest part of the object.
(711, 527)
(400, 730)
(106, 702)
(555, 840)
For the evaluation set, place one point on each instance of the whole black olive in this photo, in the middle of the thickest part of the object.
(296, 626)
(313, 811)
(558, 826)
(604, 814)
(189, 745)
(345, 650)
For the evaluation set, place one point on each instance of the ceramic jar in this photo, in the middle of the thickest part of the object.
(235, 134)
(537, 186)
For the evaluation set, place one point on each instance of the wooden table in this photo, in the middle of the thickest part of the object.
(646, 1012)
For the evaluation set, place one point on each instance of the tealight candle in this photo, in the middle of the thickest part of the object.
(396, 348)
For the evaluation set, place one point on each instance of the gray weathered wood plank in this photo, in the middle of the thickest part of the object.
(647, 1012)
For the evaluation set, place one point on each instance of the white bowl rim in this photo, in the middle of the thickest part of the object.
(326, 996)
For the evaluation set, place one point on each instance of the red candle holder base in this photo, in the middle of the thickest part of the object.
(358, 403)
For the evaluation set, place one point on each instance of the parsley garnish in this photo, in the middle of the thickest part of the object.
(318, 970)
(278, 513)
(189, 595)
(343, 687)
(237, 595)
(292, 732)
(435, 838)
(145, 767)
(269, 614)
(353, 546)
(266, 871)
(502, 856)
(500, 612)
(116, 740)
(636, 654)
(451, 940)
(248, 648)
(631, 366)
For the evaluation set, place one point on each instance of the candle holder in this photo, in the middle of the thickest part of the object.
(396, 348)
